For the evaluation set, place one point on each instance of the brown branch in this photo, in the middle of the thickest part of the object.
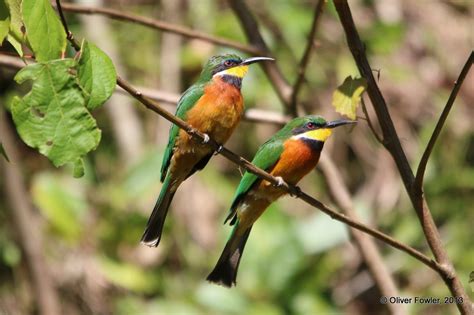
(24, 223)
(250, 26)
(420, 173)
(369, 122)
(392, 143)
(318, 9)
(160, 25)
(293, 190)
(368, 249)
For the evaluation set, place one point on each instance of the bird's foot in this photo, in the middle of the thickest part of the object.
(206, 138)
(280, 180)
(219, 150)
(295, 191)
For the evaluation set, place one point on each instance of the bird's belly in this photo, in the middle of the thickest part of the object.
(297, 160)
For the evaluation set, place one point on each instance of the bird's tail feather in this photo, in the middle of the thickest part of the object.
(152, 235)
(225, 271)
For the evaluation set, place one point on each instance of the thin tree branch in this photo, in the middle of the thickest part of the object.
(420, 173)
(250, 26)
(28, 231)
(318, 9)
(160, 25)
(392, 143)
(369, 122)
(293, 190)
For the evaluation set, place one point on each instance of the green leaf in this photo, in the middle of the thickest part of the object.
(15, 35)
(52, 116)
(14, 7)
(44, 30)
(78, 168)
(4, 29)
(4, 21)
(96, 74)
(346, 98)
(2, 152)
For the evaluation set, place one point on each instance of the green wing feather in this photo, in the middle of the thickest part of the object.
(185, 103)
(267, 156)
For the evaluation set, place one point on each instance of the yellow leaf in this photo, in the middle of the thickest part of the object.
(346, 98)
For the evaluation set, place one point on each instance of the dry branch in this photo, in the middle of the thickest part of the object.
(318, 10)
(420, 173)
(392, 143)
(160, 25)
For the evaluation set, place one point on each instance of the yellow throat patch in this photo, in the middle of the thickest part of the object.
(318, 134)
(239, 71)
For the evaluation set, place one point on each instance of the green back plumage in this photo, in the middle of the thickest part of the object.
(185, 103)
(188, 100)
(268, 155)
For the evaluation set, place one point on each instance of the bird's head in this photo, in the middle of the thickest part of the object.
(228, 65)
(313, 128)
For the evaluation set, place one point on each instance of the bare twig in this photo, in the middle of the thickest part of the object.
(366, 113)
(250, 26)
(27, 228)
(160, 25)
(293, 190)
(420, 173)
(318, 9)
(392, 143)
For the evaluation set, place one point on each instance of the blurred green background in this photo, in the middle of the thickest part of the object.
(297, 260)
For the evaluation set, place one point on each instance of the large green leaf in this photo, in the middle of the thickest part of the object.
(96, 74)
(52, 117)
(44, 30)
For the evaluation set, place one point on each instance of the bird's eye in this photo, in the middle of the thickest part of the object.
(228, 63)
(311, 125)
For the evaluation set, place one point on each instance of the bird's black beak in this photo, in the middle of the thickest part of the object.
(251, 60)
(340, 122)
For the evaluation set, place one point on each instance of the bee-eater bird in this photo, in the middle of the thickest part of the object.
(289, 155)
(214, 106)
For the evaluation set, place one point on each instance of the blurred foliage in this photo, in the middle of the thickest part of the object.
(297, 260)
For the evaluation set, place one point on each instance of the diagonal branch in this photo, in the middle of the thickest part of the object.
(392, 143)
(160, 25)
(293, 190)
(305, 59)
(420, 173)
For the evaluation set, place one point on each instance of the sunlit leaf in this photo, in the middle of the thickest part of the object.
(346, 98)
(78, 168)
(96, 74)
(3, 153)
(44, 30)
(52, 117)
